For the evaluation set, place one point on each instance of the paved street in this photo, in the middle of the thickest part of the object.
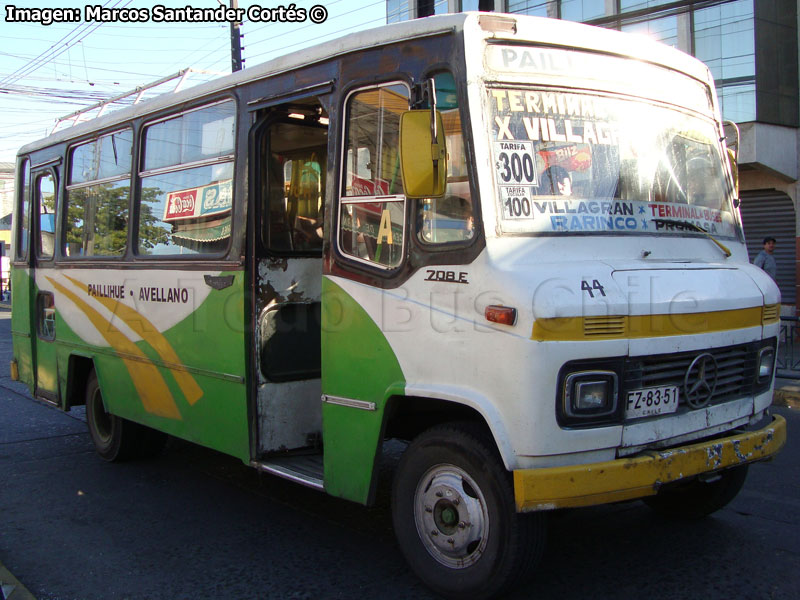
(196, 524)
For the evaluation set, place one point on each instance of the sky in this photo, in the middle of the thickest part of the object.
(49, 71)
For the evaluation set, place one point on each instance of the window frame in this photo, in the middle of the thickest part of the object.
(36, 230)
(469, 157)
(69, 187)
(23, 195)
(260, 157)
(139, 174)
(175, 115)
(45, 316)
(344, 200)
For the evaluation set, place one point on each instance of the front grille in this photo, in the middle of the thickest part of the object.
(735, 376)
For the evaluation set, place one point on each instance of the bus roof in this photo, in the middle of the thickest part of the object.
(497, 26)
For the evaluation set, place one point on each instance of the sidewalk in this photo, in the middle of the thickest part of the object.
(787, 392)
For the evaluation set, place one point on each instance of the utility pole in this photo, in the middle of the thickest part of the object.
(236, 47)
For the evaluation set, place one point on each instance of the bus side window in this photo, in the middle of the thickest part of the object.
(98, 190)
(24, 212)
(372, 212)
(46, 215)
(187, 191)
(46, 316)
(451, 218)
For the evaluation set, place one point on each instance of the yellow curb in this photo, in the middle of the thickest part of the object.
(11, 588)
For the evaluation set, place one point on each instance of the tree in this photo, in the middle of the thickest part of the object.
(97, 218)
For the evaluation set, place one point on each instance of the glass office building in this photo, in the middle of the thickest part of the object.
(751, 47)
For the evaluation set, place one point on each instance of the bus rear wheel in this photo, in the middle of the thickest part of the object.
(455, 518)
(698, 499)
(115, 438)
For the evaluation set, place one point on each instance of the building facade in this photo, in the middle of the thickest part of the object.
(751, 47)
(7, 171)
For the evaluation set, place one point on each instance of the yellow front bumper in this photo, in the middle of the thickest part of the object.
(643, 474)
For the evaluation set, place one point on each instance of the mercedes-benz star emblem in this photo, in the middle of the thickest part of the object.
(700, 380)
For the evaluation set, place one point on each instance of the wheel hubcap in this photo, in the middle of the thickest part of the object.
(451, 516)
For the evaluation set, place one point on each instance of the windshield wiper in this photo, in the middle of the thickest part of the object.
(688, 225)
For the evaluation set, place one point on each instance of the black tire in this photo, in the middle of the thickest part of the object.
(117, 439)
(451, 481)
(698, 499)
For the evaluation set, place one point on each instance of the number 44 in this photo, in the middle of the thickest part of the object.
(592, 288)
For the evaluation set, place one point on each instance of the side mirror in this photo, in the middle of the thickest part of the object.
(423, 154)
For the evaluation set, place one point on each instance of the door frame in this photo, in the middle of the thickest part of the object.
(42, 303)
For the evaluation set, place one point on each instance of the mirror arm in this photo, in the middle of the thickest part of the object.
(432, 104)
(434, 132)
(735, 134)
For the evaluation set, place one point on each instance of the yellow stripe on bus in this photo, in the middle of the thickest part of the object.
(142, 326)
(644, 326)
(152, 389)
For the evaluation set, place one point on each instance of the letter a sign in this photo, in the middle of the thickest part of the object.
(385, 230)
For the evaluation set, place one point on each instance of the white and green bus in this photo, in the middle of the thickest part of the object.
(513, 243)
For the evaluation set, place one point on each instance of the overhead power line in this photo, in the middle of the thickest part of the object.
(61, 94)
(57, 49)
(50, 89)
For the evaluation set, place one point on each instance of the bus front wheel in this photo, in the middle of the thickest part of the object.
(455, 518)
(115, 438)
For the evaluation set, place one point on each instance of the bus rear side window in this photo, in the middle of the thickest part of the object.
(46, 212)
(23, 212)
(186, 196)
(97, 197)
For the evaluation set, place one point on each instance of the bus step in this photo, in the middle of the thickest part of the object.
(305, 469)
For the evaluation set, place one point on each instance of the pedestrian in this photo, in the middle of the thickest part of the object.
(765, 260)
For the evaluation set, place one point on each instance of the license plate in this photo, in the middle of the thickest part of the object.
(649, 402)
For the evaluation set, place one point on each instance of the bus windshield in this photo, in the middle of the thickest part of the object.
(571, 162)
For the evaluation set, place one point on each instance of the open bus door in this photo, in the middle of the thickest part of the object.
(290, 149)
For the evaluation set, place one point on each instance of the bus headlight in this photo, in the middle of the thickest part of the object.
(590, 394)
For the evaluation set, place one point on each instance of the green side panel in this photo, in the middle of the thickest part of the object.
(359, 364)
(213, 338)
(46, 370)
(210, 344)
(21, 286)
